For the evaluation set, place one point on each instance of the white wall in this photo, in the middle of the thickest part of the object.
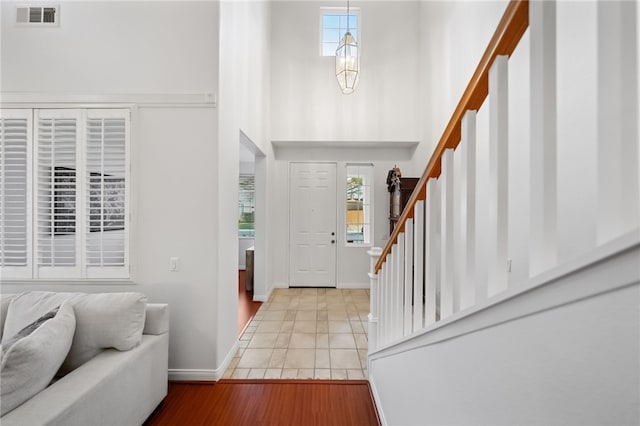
(306, 102)
(452, 39)
(113, 48)
(243, 107)
(574, 364)
(86, 54)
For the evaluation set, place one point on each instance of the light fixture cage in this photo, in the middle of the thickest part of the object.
(347, 64)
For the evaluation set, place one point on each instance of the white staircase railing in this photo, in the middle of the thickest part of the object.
(446, 254)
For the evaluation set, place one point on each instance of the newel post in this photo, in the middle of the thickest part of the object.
(374, 255)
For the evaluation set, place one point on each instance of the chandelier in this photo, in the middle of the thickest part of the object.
(347, 61)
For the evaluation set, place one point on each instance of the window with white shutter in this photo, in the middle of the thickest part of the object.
(56, 195)
(106, 175)
(15, 193)
(78, 221)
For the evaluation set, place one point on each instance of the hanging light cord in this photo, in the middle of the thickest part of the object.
(347, 15)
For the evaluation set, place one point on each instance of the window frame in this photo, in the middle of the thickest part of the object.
(367, 205)
(82, 271)
(335, 10)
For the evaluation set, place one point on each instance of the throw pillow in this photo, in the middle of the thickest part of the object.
(103, 320)
(31, 362)
(28, 329)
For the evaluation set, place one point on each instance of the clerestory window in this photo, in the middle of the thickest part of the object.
(333, 25)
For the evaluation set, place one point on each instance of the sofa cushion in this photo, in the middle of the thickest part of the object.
(30, 363)
(103, 320)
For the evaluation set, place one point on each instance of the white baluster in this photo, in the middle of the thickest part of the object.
(418, 266)
(544, 173)
(447, 290)
(498, 175)
(408, 278)
(467, 233)
(398, 296)
(374, 255)
(618, 175)
(482, 207)
(432, 253)
(388, 299)
(382, 283)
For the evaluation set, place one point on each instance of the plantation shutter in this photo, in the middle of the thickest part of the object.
(15, 193)
(57, 201)
(107, 192)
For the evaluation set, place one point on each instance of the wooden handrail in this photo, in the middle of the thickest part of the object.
(510, 30)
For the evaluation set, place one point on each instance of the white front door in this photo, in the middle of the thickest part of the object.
(312, 225)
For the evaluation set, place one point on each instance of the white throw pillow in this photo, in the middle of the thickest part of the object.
(31, 362)
(103, 320)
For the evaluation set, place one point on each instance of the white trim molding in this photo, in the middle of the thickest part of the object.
(193, 375)
(142, 100)
(364, 285)
(377, 401)
(343, 150)
(261, 297)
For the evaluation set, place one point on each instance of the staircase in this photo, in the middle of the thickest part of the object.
(509, 291)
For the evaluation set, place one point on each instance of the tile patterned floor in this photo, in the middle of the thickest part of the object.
(305, 334)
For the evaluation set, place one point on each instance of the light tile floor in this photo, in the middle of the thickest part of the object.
(310, 333)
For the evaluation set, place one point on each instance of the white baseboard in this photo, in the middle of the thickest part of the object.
(193, 375)
(376, 400)
(262, 297)
(180, 374)
(354, 285)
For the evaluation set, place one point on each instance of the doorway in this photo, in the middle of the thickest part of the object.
(312, 225)
(251, 235)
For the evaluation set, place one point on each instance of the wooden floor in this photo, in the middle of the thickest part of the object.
(267, 402)
(247, 308)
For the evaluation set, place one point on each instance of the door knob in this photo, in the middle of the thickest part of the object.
(333, 241)
(333, 233)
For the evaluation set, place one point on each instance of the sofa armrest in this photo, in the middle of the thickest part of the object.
(157, 319)
(113, 388)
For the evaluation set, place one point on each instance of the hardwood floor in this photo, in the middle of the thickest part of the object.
(247, 308)
(267, 402)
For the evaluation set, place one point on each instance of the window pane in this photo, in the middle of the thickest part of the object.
(331, 35)
(358, 204)
(330, 21)
(353, 21)
(246, 206)
(334, 26)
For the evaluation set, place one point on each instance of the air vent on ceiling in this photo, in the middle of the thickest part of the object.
(37, 15)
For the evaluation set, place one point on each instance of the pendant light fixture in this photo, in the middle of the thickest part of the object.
(347, 61)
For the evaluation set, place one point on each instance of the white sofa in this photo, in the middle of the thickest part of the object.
(113, 388)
